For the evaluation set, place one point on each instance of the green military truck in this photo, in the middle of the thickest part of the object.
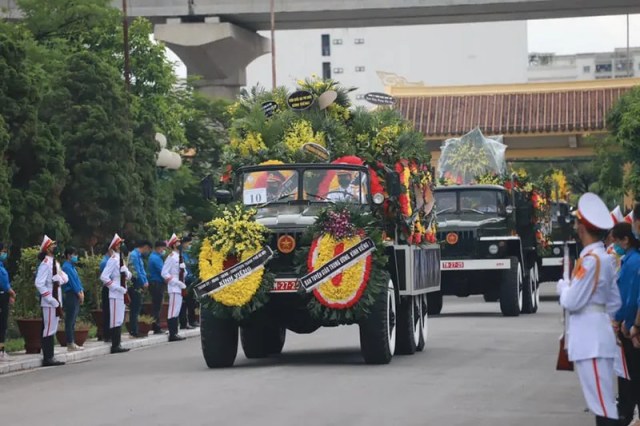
(551, 270)
(489, 240)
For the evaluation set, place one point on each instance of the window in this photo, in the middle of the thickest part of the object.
(326, 45)
(326, 70)
(359, 41)
(603, 67)
(359, 69)
(586, 69)
(337, 41)
(338, 70)
(359, 97)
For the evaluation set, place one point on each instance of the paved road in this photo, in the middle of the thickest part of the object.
(479, 369)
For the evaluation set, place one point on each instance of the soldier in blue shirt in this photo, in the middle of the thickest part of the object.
(140, 283)
(104, 298)
(7, 297)
(156, 282)
(627, 317)
(72, 299)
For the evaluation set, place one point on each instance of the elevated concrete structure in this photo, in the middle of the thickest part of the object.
(221, 54)
(304, 14)
(218, 53)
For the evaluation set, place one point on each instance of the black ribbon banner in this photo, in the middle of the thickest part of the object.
(337, 264)
(378, 98)
(233, 274)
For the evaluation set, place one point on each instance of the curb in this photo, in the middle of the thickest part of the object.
(101, 349)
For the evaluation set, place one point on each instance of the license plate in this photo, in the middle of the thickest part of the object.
(453, 265)
(285, 286)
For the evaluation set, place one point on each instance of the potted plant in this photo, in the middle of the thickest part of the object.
(27, 309)
(147, 309)
(89, 272)
(145, 325)
(79, 336)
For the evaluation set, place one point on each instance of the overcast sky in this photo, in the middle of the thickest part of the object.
(580, 35)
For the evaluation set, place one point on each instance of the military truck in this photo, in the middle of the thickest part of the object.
(489, 247)
(552, 259)
(397, 323)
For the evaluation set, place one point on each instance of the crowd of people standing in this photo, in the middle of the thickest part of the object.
(165, 268)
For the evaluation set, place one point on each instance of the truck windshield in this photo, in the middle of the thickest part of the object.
(310, 184)
(475, 201)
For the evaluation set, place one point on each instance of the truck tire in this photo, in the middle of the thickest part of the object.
(260, 339)
(511, 289)
(536, 288)
(528, 293)
(409, 312)
(277, 337)
(378, 331)
(424, 326)
(219, 340)
(434, 303)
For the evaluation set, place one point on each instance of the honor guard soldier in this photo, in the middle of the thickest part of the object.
(591, 298)
(49, 279)
(111, 278)
(174, 268)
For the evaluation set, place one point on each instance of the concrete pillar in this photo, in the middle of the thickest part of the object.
(216, 52)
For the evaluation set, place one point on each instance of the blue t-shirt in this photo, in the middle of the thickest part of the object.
(629, 285)
(5, 283)
(155, 267)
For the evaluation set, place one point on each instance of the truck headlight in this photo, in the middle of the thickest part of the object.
(556, 251)
(493, 249)
(378, 198)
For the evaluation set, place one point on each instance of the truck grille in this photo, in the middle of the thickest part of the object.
(282, 263)
(465, 247)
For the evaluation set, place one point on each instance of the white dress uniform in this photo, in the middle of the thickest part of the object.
(110, 277)
(171, 274)
(591, 298)
(44, 284)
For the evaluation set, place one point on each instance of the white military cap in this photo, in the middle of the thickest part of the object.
(593, 213)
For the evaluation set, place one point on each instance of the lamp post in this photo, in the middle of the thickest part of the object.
(273, 43)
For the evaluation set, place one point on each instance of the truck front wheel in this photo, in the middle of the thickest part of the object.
(261, 339)
(511, 289)
(409, 325)
(531, 294)
(378, 331)
(219, 340)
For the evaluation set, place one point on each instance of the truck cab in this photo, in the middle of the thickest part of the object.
(488, 246)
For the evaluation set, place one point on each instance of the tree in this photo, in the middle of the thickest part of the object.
(623, 147)
(34, 157)
(93, 121)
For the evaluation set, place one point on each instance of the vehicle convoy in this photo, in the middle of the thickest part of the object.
(493, 230)
(561, 225)
(306, 241)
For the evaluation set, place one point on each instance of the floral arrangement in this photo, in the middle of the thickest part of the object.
(347, 297)
(231, 237)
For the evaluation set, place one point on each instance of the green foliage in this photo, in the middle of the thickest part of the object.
(34, 156)
(89, 273)
(623, 147)
(27, 303)
(99, 153)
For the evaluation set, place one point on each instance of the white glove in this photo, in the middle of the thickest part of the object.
(562, 285)
(51, 301)
(57, 278)
(183, 266)
(122, 290)
(124, 269)
(182, 285)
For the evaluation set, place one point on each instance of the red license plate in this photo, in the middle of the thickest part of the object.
(285, 286)
(453, 265)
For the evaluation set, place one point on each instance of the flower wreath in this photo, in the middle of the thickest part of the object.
(231, 237)
(347, 297)
(420, 180)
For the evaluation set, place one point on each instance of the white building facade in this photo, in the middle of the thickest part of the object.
(584, 66)
(372, 58)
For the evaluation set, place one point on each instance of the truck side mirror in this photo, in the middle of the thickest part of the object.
(393, 184)
(223, 196)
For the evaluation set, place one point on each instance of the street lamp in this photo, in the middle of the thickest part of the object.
(166, 159)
